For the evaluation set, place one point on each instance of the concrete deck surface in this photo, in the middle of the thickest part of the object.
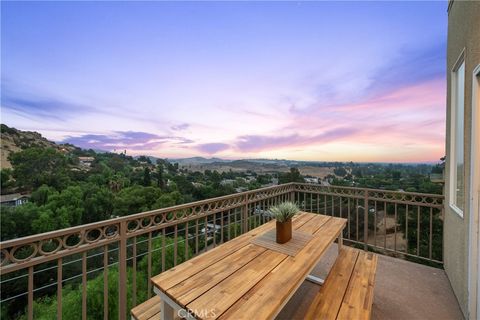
(403, 291)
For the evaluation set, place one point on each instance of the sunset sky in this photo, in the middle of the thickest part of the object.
(323, 81)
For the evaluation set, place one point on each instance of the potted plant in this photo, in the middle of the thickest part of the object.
(284, 213)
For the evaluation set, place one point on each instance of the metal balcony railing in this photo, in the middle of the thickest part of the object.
(103, 269)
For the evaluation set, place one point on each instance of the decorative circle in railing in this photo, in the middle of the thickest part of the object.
(72, 240)
(158, 219)
(180, 214)
(50, 246)
(4, 257)
(93, 235)
(133, 225)
(169, 216)
(23, 253)
(147, 222)
(111, 231)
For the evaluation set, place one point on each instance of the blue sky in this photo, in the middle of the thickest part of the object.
(361, 81)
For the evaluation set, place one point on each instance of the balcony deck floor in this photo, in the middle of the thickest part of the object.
(403, 290)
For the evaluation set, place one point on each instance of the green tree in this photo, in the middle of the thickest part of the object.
(147, 180)
(36, 166)
(292, 176)
(5, 179)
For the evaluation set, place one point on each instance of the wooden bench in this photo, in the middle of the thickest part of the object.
(149, 310)
(348, 290)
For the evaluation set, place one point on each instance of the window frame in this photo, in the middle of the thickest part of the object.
(453, 173)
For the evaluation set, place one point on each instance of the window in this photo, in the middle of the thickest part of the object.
(457, 163)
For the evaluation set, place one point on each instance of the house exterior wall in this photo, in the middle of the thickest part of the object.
(463, 34)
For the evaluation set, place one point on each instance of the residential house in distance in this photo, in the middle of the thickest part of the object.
(462, 169)
(86, 161)
(14, 199)
(311, 180)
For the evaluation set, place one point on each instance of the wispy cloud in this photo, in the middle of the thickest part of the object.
(252, 143)
(130, 140)
(180, 127)
(212, 148)
(41, 107)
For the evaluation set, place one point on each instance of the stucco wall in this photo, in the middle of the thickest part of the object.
(463, 33)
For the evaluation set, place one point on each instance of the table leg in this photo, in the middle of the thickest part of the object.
(167, 312)
(340, 241)
(315, 279)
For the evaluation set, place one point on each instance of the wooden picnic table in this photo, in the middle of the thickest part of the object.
(243, 280)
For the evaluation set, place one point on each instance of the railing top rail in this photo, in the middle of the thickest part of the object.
(431, 195)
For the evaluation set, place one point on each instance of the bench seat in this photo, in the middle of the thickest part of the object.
(149, 310)
(348, 290)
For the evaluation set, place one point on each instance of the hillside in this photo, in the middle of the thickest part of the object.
(13, 140)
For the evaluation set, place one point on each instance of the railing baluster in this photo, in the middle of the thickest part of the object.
(196, 236)
(222, 226)
(206, 234)
(356, 225)
(340, 205)
(163, 247)
(418, 230)
(395, 232)
(374, 223)
(186, 242)
(333, 206)
(105, 282)
(134, 271)
(30, 293)
(430, 235)
(385, 224)
(214, 230)
(348, 219)
(406, 229)
(84, 285)
(122, 263)
(175, 245)
(149, 265)
(59, 288)
(247, 216)
(235, 223)
(365, 222)
(228, 224)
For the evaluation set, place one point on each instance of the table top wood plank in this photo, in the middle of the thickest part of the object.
(314, 224)
(328, 301)
(358, 299)
(218, 299)
(175, 275)
(267, 297)
(190, 289)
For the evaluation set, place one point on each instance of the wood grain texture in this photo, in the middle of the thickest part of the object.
(348, 290)
(218, 299)
(193, 287)
(358, 300)
(327, 302)
(148, 310)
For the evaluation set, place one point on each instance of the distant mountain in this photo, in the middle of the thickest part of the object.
(198, 160)
(14, 140)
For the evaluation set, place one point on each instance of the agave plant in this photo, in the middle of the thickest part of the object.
(284, 211)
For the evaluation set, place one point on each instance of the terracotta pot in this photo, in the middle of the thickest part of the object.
(284, 231)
